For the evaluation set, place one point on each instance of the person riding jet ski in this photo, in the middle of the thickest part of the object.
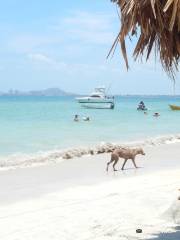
(142, 106)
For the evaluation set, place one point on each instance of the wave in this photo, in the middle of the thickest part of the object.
(50, 157)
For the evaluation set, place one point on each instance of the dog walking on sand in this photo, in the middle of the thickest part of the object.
(125, 153)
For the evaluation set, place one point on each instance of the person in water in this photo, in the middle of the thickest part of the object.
(86, 119)
(76, 118)
(141, 105)
(156, 115)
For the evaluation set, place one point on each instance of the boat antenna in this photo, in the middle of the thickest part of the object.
(109, 87)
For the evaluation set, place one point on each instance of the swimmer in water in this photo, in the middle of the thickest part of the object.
(86, 119)
(76, 118)
(156, 114)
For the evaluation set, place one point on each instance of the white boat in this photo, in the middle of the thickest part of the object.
(97, 99)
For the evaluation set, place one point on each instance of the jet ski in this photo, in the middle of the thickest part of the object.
(142, 106)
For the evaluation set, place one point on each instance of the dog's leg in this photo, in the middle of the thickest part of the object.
(112, 160)
(133, 160)
(115, 162)
(125, 160)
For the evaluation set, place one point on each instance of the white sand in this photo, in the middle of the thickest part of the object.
(77, 199)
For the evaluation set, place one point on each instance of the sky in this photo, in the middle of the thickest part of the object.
(65, 44)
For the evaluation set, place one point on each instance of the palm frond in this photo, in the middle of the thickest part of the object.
(157, 24)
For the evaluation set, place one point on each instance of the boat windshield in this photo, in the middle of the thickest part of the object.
(95, 96)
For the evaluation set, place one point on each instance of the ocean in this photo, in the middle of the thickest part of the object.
(32, 126)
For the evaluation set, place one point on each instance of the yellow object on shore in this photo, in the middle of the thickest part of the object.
(174, 107)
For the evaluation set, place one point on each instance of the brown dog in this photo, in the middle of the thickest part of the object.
(125, 153)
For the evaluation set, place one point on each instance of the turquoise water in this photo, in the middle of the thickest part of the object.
(33, 124)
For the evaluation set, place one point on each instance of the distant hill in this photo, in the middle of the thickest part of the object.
(45, 92)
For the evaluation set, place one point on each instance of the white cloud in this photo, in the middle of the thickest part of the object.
(78, 28)
(41, 59)
(68, 43)
(90, 21)
(87, 27)
(24, 42)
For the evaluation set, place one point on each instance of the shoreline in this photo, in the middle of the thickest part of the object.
(53, 157)
(78, 198)
(91, 170)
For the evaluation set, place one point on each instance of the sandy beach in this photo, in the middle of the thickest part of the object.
(84, 83)
(78, 199)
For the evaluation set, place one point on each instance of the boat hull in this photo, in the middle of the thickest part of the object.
(174, 107)
(97, 100)
(100, 105)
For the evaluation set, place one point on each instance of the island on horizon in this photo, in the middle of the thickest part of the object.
(44, 92)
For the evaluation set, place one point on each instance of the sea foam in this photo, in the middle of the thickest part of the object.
(20, 160)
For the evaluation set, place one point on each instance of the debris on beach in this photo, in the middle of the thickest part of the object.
(66, 156)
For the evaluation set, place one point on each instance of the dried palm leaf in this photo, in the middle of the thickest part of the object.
(157, 23)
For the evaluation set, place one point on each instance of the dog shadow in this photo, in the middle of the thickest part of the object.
(125, 172)
(130, 168)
